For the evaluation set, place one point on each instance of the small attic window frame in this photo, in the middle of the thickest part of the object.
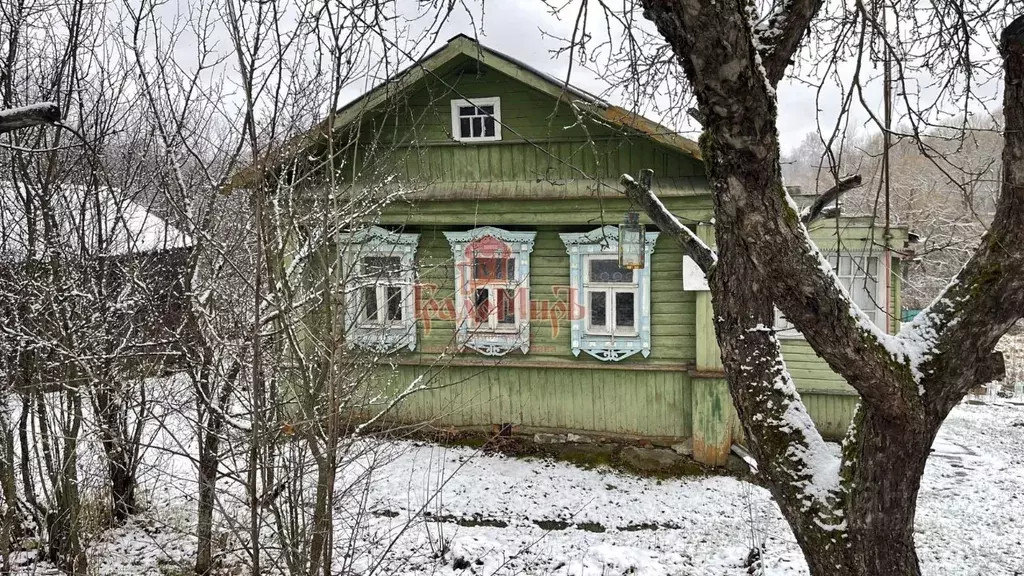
(457, 105)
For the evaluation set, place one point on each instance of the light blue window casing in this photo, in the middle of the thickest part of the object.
(605, 335)
(492, 289)
(380, 288)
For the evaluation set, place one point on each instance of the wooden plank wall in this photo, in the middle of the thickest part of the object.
(622, 402)
(673, 342)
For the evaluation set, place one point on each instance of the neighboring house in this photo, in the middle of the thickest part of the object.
(94, 268)
(496, 278)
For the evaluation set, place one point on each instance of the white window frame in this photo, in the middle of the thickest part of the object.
(365, 280)
(610, 289)
(376, 242)
(607, 345)
(878, 313)
(494, 339)
(477, 102)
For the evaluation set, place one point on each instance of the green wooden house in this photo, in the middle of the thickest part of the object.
(493, 276)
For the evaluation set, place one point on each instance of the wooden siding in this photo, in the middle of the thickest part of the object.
(543, 140)
(651, 404)
(581, 212)
(538, 161)
(528, 388)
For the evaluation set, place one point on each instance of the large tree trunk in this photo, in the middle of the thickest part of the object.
(883, 498)
(852, 516)
(869, 527)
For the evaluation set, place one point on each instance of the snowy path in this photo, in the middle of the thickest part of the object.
(498, 515)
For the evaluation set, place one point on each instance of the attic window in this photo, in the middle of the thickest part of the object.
(476, 120)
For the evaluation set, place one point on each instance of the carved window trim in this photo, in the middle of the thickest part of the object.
(604, 241)
(488, 241)
(377, 242)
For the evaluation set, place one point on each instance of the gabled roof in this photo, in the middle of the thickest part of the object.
(432, 65)
(462, 45)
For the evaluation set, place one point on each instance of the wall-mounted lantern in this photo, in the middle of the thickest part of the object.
(632, 240)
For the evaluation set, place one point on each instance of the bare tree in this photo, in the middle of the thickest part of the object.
(264, 187)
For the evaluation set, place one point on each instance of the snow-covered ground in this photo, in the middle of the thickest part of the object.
(446, 511)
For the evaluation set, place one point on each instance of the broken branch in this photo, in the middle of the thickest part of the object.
(28, 116)
(818, 208)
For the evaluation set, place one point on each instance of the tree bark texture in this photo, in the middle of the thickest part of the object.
(13, 119)
(212, 427)
(853, 515)
(119, 449)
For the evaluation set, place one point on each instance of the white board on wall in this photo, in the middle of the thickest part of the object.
(694, 279)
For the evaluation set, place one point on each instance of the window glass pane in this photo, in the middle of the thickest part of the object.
(864, 295)
(394, 295)
(598, 310)
(382, 266)
(873, 266)
(845, 265)
(464, 128)
(494, 269)
(488, 126)
(467, 110)
(370, 303)
(478, 129)
(506, 306)
(609, 271)
(625, 309)
(481, 306)
(487, 110)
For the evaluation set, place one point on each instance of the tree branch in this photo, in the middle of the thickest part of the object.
(28, 116)
(641, 193)
(741, 157)
(957, 333)
(817, 209)
(781, 33)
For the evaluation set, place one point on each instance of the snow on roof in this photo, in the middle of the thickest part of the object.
(93, 222)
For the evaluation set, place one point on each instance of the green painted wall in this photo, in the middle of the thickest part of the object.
(551, 388)
(553, 173)
(673, 341)
(623, 402)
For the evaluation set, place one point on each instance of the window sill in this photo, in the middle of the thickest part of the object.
(476, 140)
